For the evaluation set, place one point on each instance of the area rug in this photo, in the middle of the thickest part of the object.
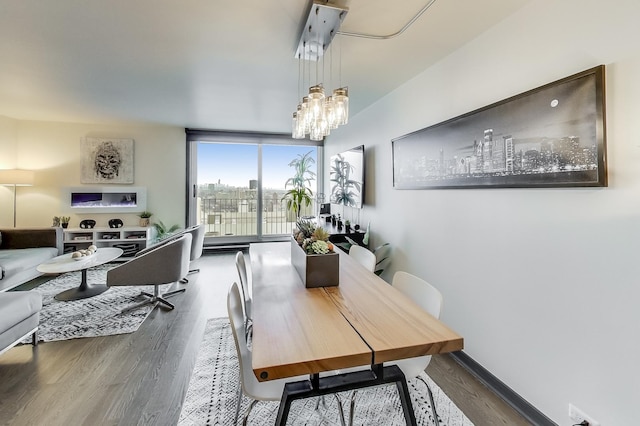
(213, 389)
(95, 316)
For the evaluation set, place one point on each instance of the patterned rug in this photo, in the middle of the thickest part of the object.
(95, 316)
(211, 397)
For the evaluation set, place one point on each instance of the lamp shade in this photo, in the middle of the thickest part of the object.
(16, 177)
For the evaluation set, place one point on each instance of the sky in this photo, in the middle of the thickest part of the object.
(236, 164)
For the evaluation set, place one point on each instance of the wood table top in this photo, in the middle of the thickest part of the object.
(364, 320)
(393, 326)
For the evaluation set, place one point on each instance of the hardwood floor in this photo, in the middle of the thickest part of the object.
(141, 378)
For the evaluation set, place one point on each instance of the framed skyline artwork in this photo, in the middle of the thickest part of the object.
(551, 136)
(106, 161)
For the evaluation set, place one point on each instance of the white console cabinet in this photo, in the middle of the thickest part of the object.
(130, 239)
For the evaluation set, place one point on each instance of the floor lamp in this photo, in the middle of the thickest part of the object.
(15, 178)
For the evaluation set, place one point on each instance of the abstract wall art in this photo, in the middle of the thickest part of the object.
(106, 160)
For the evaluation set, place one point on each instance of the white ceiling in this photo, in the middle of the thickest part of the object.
(210, 63)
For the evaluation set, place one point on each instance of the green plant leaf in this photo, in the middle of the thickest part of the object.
(300, 194)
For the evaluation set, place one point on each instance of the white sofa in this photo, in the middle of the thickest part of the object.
(19, 317)
(23, 249)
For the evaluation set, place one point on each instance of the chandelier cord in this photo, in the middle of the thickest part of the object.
(299, 87)
(389, 36)
(331, 64)
(340, 64)
(318, 43)
(323, 65)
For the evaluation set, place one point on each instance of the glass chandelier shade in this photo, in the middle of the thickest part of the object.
(316, 101)
(330, 113)
(297, 130)
(318, 114)
(341, 105)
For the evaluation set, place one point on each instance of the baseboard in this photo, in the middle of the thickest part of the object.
(518, 403)
(225, 247)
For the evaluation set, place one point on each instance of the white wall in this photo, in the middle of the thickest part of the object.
(53, 151)
(541, 283)
(8, 160)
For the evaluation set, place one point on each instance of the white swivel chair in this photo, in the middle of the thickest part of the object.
(197, 242)
(430, 299)
(245, 288)
(364, 257)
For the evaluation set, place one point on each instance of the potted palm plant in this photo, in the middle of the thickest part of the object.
(300, 192)
(163, 231)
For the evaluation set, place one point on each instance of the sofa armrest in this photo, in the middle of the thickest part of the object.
(12, 238)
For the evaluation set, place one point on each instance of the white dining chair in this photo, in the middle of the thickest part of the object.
(250, 386)
(270, 390)
(245, 289)
(364, 257)
(430, 299)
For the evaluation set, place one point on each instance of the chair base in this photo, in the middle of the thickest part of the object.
(431, 401)
(317, 386)
(155, 299)
(321, 399)
(191, 271)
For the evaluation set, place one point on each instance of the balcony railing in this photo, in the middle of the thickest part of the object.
(239, 217)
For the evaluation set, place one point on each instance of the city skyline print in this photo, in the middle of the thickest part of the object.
(551, 136)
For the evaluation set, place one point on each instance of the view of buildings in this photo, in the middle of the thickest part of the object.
(505, 156)
(228, 210)
(230, 202)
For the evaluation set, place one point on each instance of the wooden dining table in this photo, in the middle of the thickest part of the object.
(363, 321)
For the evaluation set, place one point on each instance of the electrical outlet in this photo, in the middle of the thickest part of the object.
(577, 415)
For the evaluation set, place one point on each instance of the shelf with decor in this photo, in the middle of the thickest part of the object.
(130, 239)
(339, 236)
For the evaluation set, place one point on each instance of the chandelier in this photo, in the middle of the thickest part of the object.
(317, 113)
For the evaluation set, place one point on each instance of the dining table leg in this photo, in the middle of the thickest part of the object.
(318, 386)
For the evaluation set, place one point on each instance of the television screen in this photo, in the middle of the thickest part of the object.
(346, 174)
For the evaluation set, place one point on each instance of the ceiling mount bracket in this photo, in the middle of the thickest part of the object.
(323, 23)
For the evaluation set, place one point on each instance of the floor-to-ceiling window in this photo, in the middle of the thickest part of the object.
(237, 183)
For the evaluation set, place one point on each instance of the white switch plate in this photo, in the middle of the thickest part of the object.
(577, 415)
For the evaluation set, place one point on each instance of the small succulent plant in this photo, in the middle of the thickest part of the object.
(312, 238)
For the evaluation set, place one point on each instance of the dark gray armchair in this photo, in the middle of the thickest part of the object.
(164, 263)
